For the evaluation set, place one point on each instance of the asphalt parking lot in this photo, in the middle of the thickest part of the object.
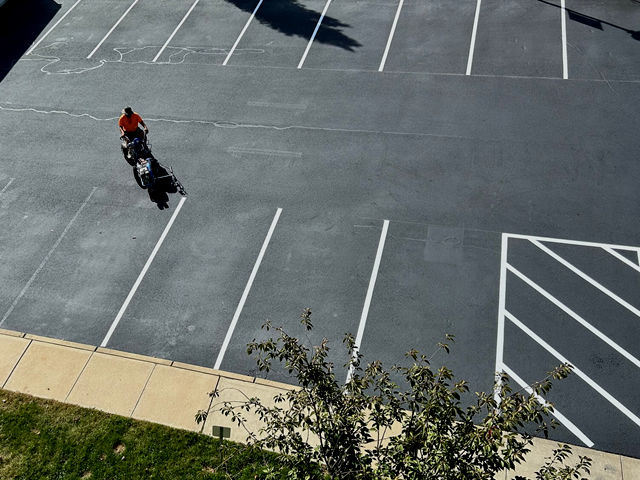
(406, 169)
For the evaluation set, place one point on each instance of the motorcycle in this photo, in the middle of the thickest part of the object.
(147, 170)
(135, 148)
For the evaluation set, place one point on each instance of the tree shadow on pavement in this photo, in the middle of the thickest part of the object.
(294, 19)
(21, 22)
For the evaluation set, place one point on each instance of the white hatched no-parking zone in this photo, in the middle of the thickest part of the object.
(504, 315)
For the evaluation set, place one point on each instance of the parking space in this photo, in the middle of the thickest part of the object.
(352, 36)
(604, 40)
(184, 306)
(72, 261)
(145, 29)
(84, 25)
(424, 267)
(323, 263)
(432, 37)
(518, 38)
(209, 32)
(278, 34)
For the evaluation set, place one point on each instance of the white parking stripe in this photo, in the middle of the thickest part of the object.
(501, 308)
(367, 301)
(142, 274)
(112, 29)
(565, 64)
(324, 12)
(175, 31)
(393, 29)
(33, 47)
(575, 316)
(561, 418)
(245, 294)
(473, 38)
(573, 242)
(628, 413)
(7, 186)
(42, 264)
(621, 258)
(246, 25)
(586, 277)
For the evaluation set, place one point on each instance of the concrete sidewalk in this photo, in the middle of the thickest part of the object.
(171, 393)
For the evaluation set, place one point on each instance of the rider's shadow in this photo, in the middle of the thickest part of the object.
(162, 187)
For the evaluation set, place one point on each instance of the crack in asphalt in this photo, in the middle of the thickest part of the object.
(231, 124)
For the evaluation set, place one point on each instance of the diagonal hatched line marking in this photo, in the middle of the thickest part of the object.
(606, 395)
(575, 316)
(564, 420)
(586, 277)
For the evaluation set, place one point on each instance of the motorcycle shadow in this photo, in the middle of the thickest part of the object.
(162, 187)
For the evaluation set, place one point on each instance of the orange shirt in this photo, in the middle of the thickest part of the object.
(130, 124)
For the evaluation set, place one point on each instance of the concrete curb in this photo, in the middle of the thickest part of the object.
(170, 393)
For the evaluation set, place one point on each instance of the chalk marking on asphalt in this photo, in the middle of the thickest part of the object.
(564, 420)
(575, 316)
(142, 274)
(367, 300)
(175, 31)
(306, 51)
(586, 277)
(247, 288)
(628, 413)
(573, 242)
(501, 309)
(260, 151)
(393, 30)
(622, 259)
(565, 63)
(291, 106)
(33, 47)
(7, 186)
(246, 25)
(46, 258)
(112, 29)
(473, 38)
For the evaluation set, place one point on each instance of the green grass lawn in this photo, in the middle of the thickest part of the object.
(43, 439)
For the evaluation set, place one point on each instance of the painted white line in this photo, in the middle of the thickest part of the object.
(175, 31)
(242, 33)
(574, 242)
(142, 274)
(622, 259)
(575, 316)
(628, 413)
(112, 29)
(565, 63)
(245, 294)
(306, 51)
(393, 30)
(33, 47)
(473, 38)
(586, 277)
(7, 186)
(367, 300)
(42, 264)
(561, 418)
(501, 309)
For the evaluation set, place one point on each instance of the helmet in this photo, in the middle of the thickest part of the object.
(128, 111)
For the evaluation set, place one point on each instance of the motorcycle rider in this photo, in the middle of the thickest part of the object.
(129, 128)
(128, 124)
